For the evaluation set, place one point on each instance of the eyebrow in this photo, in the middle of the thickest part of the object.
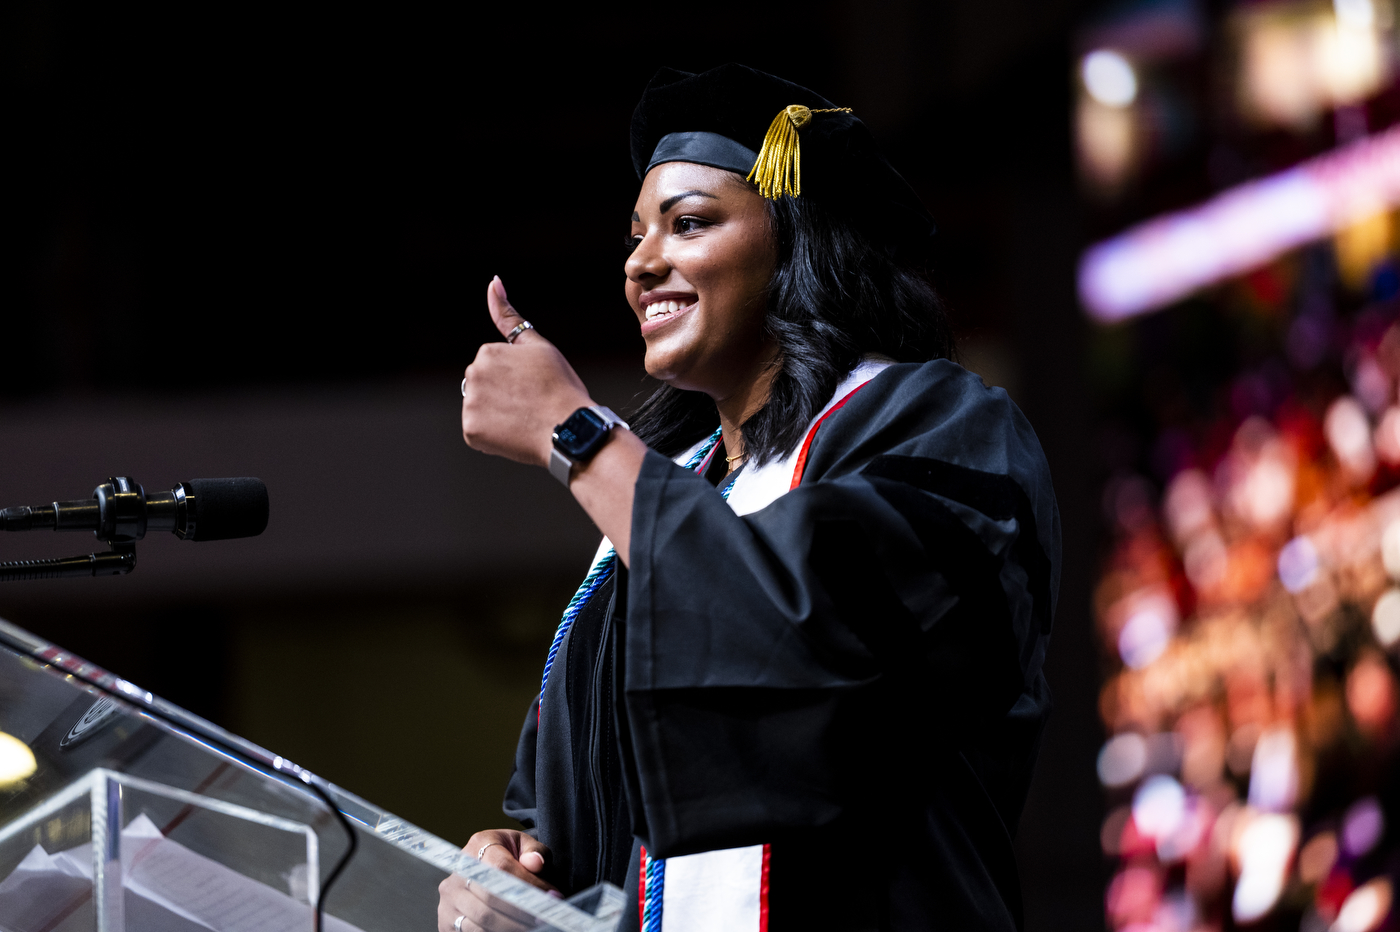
(636, 218)
(672, 201)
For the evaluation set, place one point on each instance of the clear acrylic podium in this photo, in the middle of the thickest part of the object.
(120, 812)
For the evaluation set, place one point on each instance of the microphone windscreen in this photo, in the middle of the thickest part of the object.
(228, 508)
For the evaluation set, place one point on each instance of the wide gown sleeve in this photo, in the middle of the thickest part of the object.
(520, 803)
(780, 666)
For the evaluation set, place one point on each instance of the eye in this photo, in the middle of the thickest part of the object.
(631, 242)
(690, 225)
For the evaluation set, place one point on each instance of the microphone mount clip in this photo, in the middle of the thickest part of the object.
(118, 507)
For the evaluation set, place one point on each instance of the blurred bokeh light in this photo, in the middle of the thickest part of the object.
(1245, 281)
(16, 760)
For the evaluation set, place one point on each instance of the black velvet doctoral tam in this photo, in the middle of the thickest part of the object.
(842, 167)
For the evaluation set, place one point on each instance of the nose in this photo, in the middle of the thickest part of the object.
(647, 262)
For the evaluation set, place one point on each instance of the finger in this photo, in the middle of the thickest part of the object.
(448, 923)
(492, 915)
(490, 910)
(533, 853)
(451, 894)
(478, 908)
(447, 917)
(505, 317)
(499, 857)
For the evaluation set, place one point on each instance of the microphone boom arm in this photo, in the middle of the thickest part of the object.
(117, 562)
(121, 513)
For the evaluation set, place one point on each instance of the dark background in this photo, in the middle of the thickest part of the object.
(255, 241)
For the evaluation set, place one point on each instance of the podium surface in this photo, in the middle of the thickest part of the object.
(120, 812)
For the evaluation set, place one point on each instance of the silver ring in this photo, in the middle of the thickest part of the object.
(519, 329)
(482, 849)
(458, 923)
(464, 387)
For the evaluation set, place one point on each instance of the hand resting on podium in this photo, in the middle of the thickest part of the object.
(514, 852)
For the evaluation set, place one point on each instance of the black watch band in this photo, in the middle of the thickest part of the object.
(579, 437)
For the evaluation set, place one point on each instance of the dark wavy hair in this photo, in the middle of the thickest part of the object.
(836, 294)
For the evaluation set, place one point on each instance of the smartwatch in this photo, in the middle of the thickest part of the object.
(579, 437)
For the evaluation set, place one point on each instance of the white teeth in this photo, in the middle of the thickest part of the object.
(660, 308)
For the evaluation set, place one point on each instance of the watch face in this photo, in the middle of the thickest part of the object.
(580, 434)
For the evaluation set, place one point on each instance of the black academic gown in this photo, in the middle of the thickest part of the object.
(851, 674)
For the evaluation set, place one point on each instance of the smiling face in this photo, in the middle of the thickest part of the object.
(698, 278)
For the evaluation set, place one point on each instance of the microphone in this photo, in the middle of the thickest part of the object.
(120, 511)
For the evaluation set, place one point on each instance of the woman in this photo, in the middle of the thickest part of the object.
(813, 699)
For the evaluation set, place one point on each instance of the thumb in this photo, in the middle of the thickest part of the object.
(503, 315)
(532, 854)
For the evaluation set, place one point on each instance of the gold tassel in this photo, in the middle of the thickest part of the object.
(778, 170)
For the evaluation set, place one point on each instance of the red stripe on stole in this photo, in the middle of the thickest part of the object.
(763, 891)
(642, 889)
(811, 435)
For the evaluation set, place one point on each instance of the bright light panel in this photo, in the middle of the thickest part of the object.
(1167, 258)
